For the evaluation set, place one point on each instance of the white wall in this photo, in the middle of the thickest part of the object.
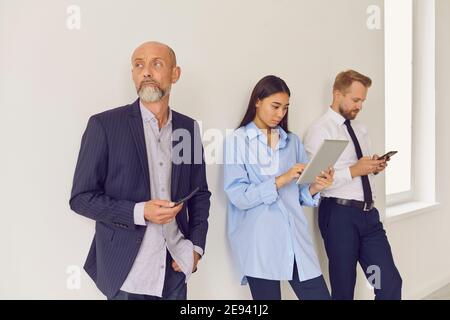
(53, 79)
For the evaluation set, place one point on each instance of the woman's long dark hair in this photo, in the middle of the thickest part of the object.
(266, 87)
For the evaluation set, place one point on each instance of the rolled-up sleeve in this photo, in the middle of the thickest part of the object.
(245, 195)
(306, 199)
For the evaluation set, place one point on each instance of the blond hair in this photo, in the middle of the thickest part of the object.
(345, 79)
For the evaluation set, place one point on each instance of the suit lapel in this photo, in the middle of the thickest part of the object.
(137, 130)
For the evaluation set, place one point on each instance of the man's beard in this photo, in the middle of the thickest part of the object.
(349, 115)
(151, 93)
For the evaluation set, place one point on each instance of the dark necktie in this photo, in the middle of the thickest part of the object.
(365, 179)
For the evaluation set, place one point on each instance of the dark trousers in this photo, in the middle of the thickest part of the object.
(314, 289)
(351, 236)
(175, 287)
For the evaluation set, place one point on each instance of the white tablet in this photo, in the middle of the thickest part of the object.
(326, 157)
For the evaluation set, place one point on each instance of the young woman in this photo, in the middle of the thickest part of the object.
(267, 228)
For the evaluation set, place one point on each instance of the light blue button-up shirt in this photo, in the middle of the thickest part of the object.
(267, 229)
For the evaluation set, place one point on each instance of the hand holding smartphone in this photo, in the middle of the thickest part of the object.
(190, 195)
(387, 155)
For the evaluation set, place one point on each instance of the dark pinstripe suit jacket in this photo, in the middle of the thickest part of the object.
(112, 175)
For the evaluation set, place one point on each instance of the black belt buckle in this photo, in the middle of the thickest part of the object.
(367, 207)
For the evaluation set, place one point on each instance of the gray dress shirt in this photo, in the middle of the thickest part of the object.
(148, 271)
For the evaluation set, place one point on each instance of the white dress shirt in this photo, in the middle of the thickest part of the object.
(331, 126)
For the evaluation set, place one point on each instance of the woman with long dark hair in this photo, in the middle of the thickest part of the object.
(267, 228)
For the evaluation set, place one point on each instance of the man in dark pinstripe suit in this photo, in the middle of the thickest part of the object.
(130, 168)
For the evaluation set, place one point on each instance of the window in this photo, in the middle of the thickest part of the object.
(410, 103)
(398, 73)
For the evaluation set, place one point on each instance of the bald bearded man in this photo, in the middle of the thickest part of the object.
(128, 176)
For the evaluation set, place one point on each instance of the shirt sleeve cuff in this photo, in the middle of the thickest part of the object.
(268, 191)
(198, 250)
(306, 199)
(138, 213)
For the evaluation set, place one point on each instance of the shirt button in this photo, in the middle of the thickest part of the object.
(159, 140)
(162, 267)
(161, 164)
(139, 240)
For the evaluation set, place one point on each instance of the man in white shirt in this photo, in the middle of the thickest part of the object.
(348, 221)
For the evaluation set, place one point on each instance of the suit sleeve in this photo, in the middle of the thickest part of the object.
(198, 206)
(88, 197)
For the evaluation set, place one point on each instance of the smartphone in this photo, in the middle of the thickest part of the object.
(190, 195)
(388, 155)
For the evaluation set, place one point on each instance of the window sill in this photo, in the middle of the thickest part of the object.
(409, 209)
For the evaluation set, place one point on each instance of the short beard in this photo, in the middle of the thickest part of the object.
(347, 114)
(150, 94)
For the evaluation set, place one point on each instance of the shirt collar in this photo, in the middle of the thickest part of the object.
(148, 116)
(253, 131)
(336, 117)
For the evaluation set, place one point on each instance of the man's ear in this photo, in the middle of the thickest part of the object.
(176, 73)
(337, 95)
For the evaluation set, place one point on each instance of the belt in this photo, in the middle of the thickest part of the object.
(361, 205)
